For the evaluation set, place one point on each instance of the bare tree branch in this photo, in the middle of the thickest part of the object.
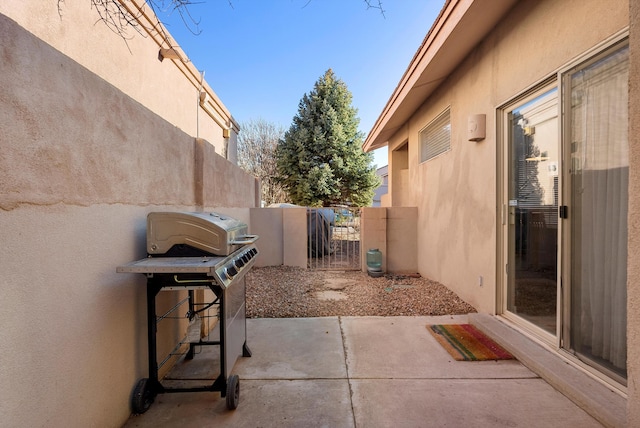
(256, 154)
(182, 8)
(377, 4)
(120, 20)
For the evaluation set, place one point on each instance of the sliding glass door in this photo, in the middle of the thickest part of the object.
(533, 209)
(599, 180)
(565, 196)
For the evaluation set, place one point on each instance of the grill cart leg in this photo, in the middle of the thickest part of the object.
(146, 389)
(153, 288)
(192, 309)
(246, 352)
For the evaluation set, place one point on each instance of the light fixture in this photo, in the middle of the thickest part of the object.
(477, 125)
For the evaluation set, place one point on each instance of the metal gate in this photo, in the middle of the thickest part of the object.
(333, 238)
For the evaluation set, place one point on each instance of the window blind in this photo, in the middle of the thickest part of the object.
(435, 138)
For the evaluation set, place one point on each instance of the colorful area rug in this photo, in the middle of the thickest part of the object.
(466, 343)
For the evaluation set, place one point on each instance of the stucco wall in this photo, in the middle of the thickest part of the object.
(391, 230)
(268, 224)
(82, 164)
(169, 88)
(633, 270)
(373, 234)
(456, 192)
(283, 236)
(402, 240)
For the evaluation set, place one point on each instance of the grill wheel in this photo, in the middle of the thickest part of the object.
(233, 392)
(142, 397)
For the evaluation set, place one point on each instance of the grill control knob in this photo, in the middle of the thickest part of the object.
(246, 257)
(239, 263)
(231, 271)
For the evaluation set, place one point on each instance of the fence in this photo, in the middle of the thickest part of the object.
(333, 238)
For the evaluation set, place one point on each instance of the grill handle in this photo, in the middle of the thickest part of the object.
(244, 240)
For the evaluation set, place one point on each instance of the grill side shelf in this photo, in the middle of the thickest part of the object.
(172, 265)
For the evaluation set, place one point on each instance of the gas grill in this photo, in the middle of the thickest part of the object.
(196, 251)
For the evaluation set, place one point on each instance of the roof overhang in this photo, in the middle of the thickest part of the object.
(461, 25)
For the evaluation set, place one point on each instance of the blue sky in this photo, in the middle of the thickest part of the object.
(262, 56)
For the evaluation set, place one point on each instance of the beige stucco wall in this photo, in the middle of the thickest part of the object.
(294, 237)
(633, 271)
(373, 234)
(402, 240)
(391, 230)
(283, 236)
(169, 88)
(456, 192)
(82, 164)
(267, 222)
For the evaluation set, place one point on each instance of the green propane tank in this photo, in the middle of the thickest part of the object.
(374, 262)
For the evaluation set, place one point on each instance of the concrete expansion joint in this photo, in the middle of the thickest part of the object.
(346, 367)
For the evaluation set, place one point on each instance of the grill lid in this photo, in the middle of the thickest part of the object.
(210, 232)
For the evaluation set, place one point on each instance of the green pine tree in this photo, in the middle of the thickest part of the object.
(320, 160)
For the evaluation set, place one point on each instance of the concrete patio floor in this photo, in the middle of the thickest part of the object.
(362, 372)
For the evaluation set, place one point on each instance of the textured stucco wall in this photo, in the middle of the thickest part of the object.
(456, 193)
(169, 88)
(71, 138)
(402, 240)
(82, 164)
(391, 230)
(373, 234)
(283, 236)
(294, 237)
(267, 223)
(633, 277)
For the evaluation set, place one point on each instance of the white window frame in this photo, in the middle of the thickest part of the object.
(435, 137)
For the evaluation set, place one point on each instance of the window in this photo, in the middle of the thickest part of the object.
(435, 138)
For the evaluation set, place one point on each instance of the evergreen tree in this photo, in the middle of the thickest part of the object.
(320, 159)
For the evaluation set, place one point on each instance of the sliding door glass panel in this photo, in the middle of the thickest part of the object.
(533, 211)
(598, 211)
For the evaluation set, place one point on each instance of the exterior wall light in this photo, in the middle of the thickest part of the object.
(477, 127)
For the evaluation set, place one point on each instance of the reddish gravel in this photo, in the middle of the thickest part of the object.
(288, 292)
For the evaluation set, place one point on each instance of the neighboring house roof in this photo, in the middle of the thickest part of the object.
(461, 25)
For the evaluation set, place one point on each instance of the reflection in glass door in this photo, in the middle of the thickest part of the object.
(533, 186)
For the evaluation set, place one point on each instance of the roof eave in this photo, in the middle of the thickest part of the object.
(461, 25)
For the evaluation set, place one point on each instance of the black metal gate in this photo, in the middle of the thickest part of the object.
(333, 238)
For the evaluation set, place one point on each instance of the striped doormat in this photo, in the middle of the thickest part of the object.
(466, 343)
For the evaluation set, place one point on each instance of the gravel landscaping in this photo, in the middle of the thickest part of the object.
(289, 292)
